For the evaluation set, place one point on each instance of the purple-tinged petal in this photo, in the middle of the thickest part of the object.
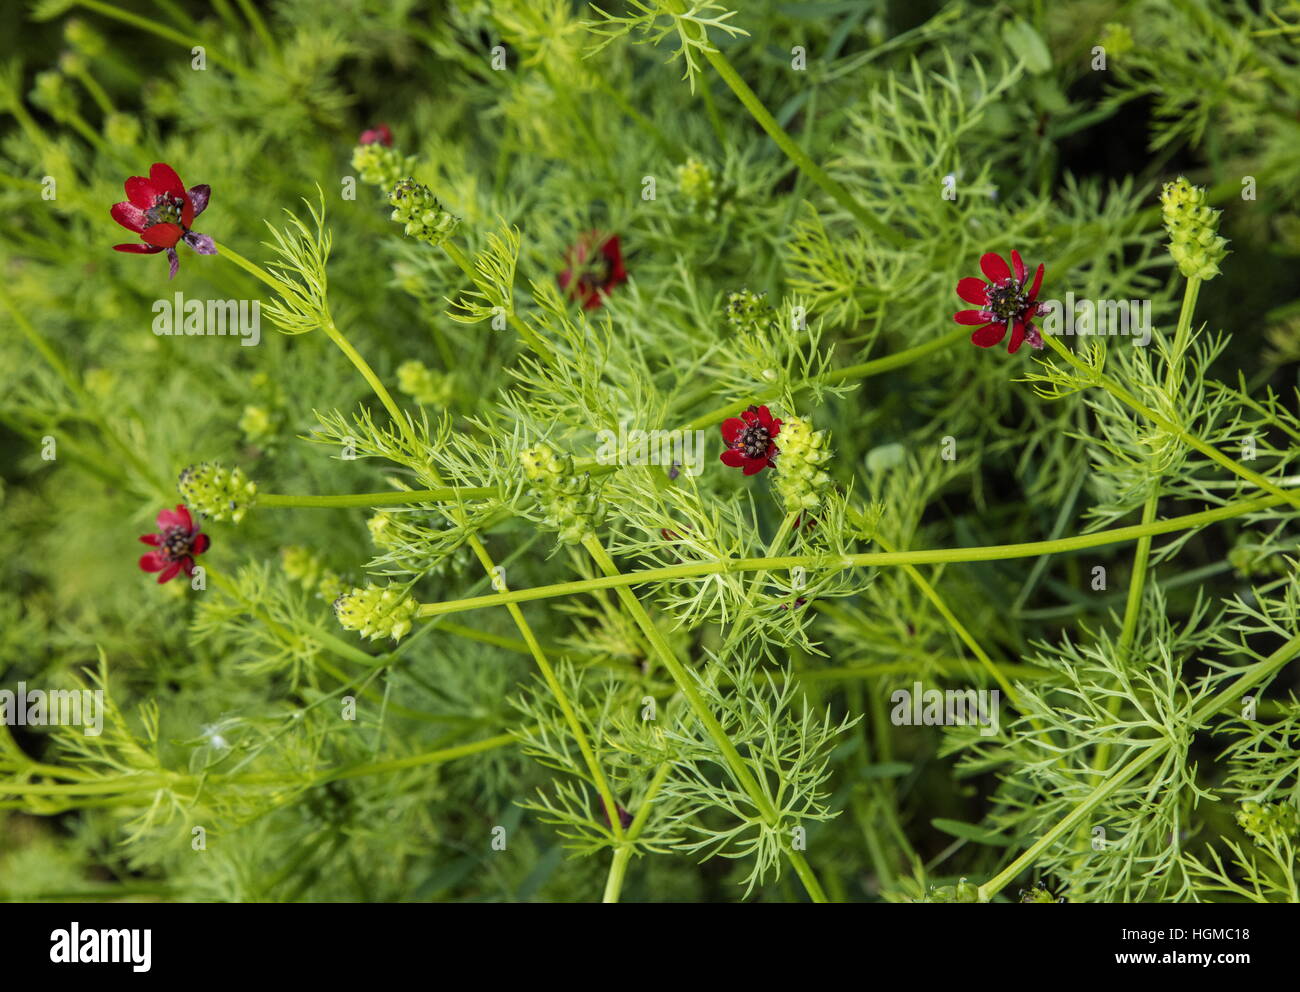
(175, 261)
(201, 243)
(129, 216)
(199, 196)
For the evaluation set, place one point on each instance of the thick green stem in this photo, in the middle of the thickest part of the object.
(399, 497)
(1001, 552)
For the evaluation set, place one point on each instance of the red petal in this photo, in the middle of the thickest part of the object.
(165, 180)
(153, 562)
(1017, 337)
(187, 213)
(1038, 281)
(733, 458)
(987, 337)
(162, 235)
(994, 267)
(731, 427)
(200, 544)
(775, 428)
(973, 290)
(169, 572)
(1019, 265)
(179, 517)
(140, 191)
(755, 465)
(187, 563)
(135, 249)
(154, 539)
(129, 216)
(971, 317)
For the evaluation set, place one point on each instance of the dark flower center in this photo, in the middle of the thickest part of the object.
(177, 543)
(1007, 300)
(754, 441)
(166, 209)
(597, 270)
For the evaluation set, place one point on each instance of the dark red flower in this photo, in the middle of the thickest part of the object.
(591, 275)
(160, 209)
(178, 540)
(1003, 302)
(379, 133)
(749, 439)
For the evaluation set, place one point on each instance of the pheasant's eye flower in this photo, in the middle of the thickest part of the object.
(592, 274)
(379, 133)
(1004, 301)
(749, 440)
(178, 540)
(160, 209)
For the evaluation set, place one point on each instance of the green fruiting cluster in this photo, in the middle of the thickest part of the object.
(301, 565)
(376, 612)
(963, 891)
(122, 129)
(424, 217)
(217, 492)
(1038, 893)
(697, 185)
(799, 477)
(1268, 823)
(380, 165)
(1193, 228)
(568, 500)
(749, 311)
(422, 384)
(381, 530)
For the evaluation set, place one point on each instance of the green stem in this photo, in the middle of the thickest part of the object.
(686, 685)
(1191, 440)
(783, 140)
(623, 853)
(398, 498)
(161, 30)
(1000, 552)
(864, 370)
(1150, 751)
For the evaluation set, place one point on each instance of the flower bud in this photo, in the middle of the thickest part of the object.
(1193, 230)
(697, 185)
(376, 612)
(217, 492)
(799, 476)
(415, 206)
(749, 311)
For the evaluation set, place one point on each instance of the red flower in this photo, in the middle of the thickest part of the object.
(1003, 302)
(161, 210)
(178, 540)
(589, 278)
(379, 133)
(749, 439)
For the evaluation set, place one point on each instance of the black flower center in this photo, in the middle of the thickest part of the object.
(166, 209)
(754, 441)
(1007, 300)
(177, 543)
